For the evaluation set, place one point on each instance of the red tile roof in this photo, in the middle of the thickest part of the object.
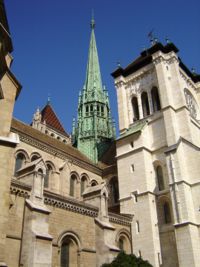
(49, 116)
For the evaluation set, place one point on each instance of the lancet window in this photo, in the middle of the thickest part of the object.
(20, 161)
(135, 108)
(159, 176)
(145, 104)
(155, 99)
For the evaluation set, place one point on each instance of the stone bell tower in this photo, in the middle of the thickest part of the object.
(95, 129)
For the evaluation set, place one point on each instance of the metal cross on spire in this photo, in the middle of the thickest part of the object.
(92, 20)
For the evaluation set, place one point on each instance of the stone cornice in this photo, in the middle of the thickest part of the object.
(20, 189)
(70, 204)
(182, 224)
(120, 219)
(185, 182)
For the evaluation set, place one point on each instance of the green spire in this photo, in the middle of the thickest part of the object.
(93, 74)
(94, 131)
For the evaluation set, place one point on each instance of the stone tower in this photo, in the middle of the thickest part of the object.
(158, 155)
(94, 130)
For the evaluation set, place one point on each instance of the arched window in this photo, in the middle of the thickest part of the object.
(47, 176)
(83, 184)
(192, 104)
(94, 183)
(72, 185)
(160, 180)
(87, 110)
(121, 243)
(98, 110)
(40, 171)
(102, 111)
(145, 104)
(155, 99)
(167, 213)
(114, 191)
(69, 253)
(135, 108)
(34, 157)
(20, 161)
(91, 109)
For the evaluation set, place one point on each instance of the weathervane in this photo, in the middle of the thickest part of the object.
(153, 40)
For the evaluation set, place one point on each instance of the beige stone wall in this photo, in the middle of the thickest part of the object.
(62, 169)
(6, 156)
(168, 248)
(9, 88)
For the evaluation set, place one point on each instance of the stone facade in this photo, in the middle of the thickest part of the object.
(55, 202)
(59, 208)
(158, 156)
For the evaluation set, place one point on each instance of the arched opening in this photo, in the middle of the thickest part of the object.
(87, 110)
(160, 180)
(72, 190)
(40, 171)
(48, 175)
(192, 104)
(20, 161)
(113, 191)
(135, 109)
(167, 213)
(121, 243)
(102, 111)
(98, 110)
(35, 156)
(83, 184)
(91, 109)
(69, 252)
(155, 99)
(145, 104)
(94, 183)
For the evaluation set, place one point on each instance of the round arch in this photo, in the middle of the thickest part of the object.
(123, 240)
(75, 174)
(24, 152)
(35, 156)
(192, 104)
(93, 183)
(70, 247)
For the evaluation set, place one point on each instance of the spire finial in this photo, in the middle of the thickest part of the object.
(48, 99)
(92, 24)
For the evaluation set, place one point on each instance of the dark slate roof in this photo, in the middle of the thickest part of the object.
(145, 58)
(49, 116)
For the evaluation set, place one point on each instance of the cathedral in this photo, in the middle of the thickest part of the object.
(77, 200)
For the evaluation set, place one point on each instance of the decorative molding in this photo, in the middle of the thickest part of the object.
(188, 80)
(69, 204)
(88, 250)
(186, 224)
(20, 189)
(120, 219)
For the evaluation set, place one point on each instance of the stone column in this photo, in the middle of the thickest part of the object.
(150, 102)
(140, 106)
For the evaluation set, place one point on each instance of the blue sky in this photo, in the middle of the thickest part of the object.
(51, 40)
